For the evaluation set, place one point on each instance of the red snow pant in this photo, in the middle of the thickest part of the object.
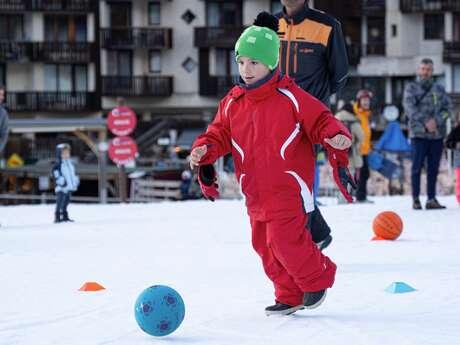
(290, 258)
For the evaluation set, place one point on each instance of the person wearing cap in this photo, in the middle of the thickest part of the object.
(362, 109)
(66, 182)
(270, 124)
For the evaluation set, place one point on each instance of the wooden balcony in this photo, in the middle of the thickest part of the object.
(16, 51)
(217, 86)
(417, 6)
(451, 52)
(50, 101)
(65, 52)
(131, 38)
(219, 37)
(84, 6)
(15, 5)
(49, 52)
(158, 86)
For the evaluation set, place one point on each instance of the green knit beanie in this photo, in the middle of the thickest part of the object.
(259, 43)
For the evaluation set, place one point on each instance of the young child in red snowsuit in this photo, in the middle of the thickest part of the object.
(269, 125)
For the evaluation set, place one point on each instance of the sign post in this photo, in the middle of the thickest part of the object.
(122, 149)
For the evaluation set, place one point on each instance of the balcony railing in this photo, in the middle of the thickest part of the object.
(130, 38)
(16, 51)
(52, 52)
(50, 101)
(451, 52)
(15, 5)
(410, 6)
(217, 86)
(159, 86)
(48, 5)
(64, 5)
(373, 7)
(70, 52)
(220, 37)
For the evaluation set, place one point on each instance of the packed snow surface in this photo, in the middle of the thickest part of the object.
(203, 250)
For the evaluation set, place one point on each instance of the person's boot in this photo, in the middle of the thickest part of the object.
(433, 204)
(312, 300)
(65, 217)
(416, 204)
(57, 217)
(282, 309)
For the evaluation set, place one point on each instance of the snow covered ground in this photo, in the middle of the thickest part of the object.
(203, 250)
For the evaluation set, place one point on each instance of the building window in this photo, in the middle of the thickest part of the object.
(394, 30)
(433, 26)
(65, 28)
(223, 13)
(275, 6)
(189, 64)
(11, 27)
(66, 78)
(155, 61)
(120, 14)
(188, 16)
(456, 78)
(154, 13)
(226, 63)
(120, 62)
(2, 75)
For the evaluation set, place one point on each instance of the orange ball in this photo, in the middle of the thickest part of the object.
(387, 225)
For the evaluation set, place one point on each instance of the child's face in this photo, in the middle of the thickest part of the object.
(65, 154)
(251, 71)
(365, 103)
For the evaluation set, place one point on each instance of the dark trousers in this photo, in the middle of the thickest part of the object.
(431, 151)
(62, 201)
(361, 191)
(318, 227)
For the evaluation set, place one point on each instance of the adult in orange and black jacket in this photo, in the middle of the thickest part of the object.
(313, 52)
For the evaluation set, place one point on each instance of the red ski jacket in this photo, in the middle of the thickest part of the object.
(270, 131)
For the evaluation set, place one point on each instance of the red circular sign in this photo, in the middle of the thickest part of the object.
(122, 150)
(122, 121)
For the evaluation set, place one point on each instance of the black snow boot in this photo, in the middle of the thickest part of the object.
(57, 217)
(416, 204)
(282, 309)
(433, 204)
(312, 300)
(65, 217)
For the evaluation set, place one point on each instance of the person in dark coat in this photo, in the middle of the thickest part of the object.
(313, 53)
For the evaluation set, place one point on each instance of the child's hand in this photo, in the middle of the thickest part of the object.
(339, 142)
(196, 155)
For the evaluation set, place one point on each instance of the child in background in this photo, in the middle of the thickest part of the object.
(270, 125)
(66, 182)
(453, 143)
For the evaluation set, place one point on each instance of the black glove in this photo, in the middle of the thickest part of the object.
(207, 179)
(344, 180)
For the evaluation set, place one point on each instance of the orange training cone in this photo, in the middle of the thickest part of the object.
(91, 286)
